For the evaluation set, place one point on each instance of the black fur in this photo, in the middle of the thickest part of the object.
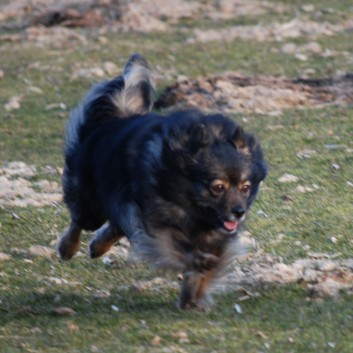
(175, 185)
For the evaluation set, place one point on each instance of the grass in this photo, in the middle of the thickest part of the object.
(281, 319)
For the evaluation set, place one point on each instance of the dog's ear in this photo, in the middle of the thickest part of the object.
(183, 145)
(193, 139)
(239, 140)
(176, 153)
(200, 137)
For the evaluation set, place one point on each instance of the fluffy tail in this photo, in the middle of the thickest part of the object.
(127, 95)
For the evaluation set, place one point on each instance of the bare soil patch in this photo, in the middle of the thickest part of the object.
(275, 31)
(141, 15)
(320, 274)
(232, 92)
(17, 187)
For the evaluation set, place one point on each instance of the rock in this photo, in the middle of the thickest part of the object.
(156, 341)
(4, 257)
(308, 8)
(182, 336)
(312, 47)
(63, 311)
(288, 178)
(115, 308)
(13, 103)
(54, 106)
(301, 57)
(326, 265)
(306, 154)
(289, 48)
(41, 251)
(303, 189)
(310, 275)
(110, 68)
(238, 309)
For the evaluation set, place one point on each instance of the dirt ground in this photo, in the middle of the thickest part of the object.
(233, 92)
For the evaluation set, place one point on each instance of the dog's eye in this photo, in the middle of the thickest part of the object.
(218, 187)
(245, 188)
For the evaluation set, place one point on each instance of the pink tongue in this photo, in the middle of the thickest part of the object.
(230, 225)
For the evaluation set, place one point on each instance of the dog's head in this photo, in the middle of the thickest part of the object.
(217, 169)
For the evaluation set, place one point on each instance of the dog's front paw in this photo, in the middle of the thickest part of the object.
(67, 249)
(69, 243)
(98, 248)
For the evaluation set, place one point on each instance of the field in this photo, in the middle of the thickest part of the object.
(282, 69)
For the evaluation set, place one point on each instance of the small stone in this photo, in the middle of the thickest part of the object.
(306, 154)
(182, 336)
(156, 341)
(13, 103)
(182, 78)
(103, 40)
(4, 257)
(43, 251)
(262, 213)
(64, 311)
(73, 327)
(334, 146)
(97, 72)
(334, 240)
(303, 189)
(312, 47)
(36, 330)
(288, 178)
(308, 8)
(34, 89)
(310, 275)
(301, 57)
(110, 68)
(115, 308)
(326, 266)
(53, 106)
(289, 48)
(238, 309)
(261, 334)
(335, 166)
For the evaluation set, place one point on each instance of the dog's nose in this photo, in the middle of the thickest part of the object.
(238, 211)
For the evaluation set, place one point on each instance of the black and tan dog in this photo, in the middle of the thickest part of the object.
(178, 186)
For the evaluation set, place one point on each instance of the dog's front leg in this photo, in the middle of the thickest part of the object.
(188, 289)
(69, 242)
(196, 281)
(194, 293)
(105, 238)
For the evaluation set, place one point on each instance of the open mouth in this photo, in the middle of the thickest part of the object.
(230, 226)
(227, 224)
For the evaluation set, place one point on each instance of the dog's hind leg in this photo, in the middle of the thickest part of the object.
(69, 242)
(105, 238)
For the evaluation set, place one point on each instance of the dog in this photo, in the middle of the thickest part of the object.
(177, 186)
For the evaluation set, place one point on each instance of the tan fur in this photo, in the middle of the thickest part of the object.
(128, 102)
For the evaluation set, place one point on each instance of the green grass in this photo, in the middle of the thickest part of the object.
(281, 319)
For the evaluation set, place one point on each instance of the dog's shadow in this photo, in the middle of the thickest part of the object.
(61, 304)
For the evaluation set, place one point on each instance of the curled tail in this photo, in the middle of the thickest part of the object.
(127, 95)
